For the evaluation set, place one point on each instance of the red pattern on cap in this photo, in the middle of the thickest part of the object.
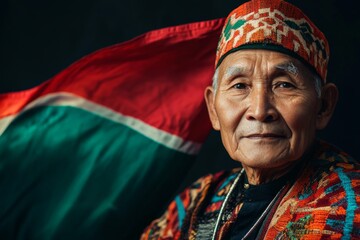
(275, 23)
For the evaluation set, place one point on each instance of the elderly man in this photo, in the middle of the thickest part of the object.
(268, 99)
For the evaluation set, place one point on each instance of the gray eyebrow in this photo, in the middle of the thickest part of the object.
(231, 71)
(288, 67)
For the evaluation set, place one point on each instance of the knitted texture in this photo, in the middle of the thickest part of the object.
(323, 203)
(275, 25)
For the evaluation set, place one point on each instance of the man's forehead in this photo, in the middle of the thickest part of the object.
(243, 62)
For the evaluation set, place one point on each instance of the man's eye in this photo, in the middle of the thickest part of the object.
(239, 86)
(284, 85)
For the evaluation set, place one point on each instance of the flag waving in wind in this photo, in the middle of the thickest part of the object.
(96, 151)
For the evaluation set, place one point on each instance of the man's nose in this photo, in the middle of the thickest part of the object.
(261, 105)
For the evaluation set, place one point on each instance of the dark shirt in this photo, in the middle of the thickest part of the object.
(255, 198)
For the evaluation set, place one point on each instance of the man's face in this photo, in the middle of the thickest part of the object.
(265, 106)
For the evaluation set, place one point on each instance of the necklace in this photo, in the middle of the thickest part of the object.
(233, 185)
(223, 205)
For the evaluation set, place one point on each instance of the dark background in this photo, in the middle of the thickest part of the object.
(40, 38)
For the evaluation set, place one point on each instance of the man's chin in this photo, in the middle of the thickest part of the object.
(264, 158)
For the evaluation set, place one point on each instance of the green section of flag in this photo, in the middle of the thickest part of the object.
(66, 173)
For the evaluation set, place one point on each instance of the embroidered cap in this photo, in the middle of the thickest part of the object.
(274, 25)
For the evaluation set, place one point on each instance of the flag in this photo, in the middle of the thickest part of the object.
(98, 150)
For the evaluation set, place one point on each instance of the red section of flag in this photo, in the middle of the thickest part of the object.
(158, 77)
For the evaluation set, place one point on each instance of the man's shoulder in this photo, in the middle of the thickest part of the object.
(332, 175)
(206, 187)
(324, 198)
(331, 165)
(333, 156)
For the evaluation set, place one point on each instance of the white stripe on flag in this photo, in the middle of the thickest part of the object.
(66, 99)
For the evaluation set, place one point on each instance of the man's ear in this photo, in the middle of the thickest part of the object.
(209, 95)
(329, 97)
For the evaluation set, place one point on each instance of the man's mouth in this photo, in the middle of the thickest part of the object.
(264, 135)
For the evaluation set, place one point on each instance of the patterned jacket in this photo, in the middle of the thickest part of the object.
(323, 203)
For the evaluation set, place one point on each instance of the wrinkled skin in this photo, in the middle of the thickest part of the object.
(267, 111)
